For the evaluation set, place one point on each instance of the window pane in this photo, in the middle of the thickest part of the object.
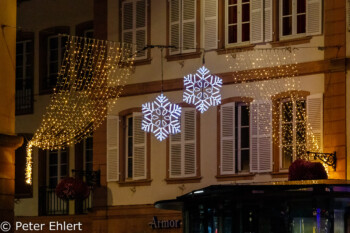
(301, 151)
(287, 7)
(301, 110)
(64, 171)
(52, 80)
(244, 116)
(53, 157)
(63, 157)
(19, 73)
(245, 32)
(88, 157)
(245, 138)
(53, 68)
(130, 146)
(287, 134)
(245, 160)
(53, 171)
(287, 156)
(287, 111)
(19, 60)
(19, 48)
(88, 166)
(53, 182)
(53, 55)
(232, 34)
(301, 133)
(129, 167)
(301, 23)
(245, 13)
(232, 2)
(232, 14)
(301, 6)
(287, 26)
(130, 126)
(53, 42)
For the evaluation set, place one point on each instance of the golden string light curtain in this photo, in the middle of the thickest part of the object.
(92, 73)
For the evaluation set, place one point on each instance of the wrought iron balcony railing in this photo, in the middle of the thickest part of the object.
(328, 158)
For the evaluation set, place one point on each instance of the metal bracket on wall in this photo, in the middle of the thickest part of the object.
(328, 158)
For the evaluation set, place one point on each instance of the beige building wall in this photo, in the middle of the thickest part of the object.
(34, 16)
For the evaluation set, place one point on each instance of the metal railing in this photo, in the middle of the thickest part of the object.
(50, 204)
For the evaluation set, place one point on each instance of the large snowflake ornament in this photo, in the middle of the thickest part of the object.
(161, 117)
(202, 89)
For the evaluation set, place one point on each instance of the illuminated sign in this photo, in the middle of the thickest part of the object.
(164, 224)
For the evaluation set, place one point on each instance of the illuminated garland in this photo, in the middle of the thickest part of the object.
(92, 73)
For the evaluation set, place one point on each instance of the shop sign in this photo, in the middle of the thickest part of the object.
(164, 224)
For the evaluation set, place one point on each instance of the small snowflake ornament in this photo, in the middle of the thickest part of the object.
(161, 117)
(202, 89)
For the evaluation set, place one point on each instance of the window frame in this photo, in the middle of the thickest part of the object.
(43, 56)
(123, 180)
(141, 60)
(276, 100)
(187, 55)
(239, 24)
(58, 164)
(294, 127)
(236, 175)
(28, 57)
(186, 179)
(294, 16)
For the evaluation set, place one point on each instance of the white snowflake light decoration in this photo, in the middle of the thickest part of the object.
(202, 89)
(161, 117)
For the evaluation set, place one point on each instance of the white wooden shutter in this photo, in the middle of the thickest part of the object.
(227, 131)
(112, 148)
(210, 24)
(265, 136)
(268, 15)
(141, 27)
(174, 27)
(175, 155)
(261, 136)
(188, 26)
(254, 157)
(313, 17)
(314, 110)
(256, 21)
(189, 137)
(127, 22)
(139, 148)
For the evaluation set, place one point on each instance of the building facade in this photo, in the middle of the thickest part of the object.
(272, 111)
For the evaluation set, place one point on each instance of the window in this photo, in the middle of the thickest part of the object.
(85, 29)
(234, 138)
(24, 74)
(57, 166)
(52, 48)
(183, 148)
(300, 17)
(183, 26)
(128, 149)
(292, 130)
(135, 19)
(298, 121)
(245, 137)
(293, 17)
(238, 21)
(88, 153)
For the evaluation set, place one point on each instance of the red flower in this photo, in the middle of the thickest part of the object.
(305, 170)
(70, 188)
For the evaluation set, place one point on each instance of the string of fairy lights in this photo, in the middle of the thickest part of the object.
(92, 73)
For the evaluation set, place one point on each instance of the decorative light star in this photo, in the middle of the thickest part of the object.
(202, 89)
(161, 117)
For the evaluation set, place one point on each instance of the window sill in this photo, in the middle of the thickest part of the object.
(145, 182)
(195, 179)
(238, 48)
(291, 41)
(243, 176)
(183, 56)
(281, 174)
(141, 62)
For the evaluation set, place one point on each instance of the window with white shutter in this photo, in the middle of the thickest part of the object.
(139, 160)
(261, 136)
(300, 17)
(314, 109)
(183, 147)
(210, 31)
(182, 26)
(134, 25)
(234, 138)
